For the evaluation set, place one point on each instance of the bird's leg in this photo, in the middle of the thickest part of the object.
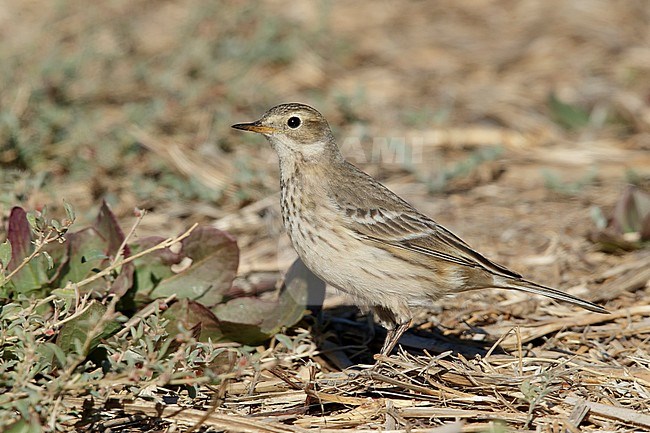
(393, 336)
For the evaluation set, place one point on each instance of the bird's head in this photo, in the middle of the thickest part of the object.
(295, 130)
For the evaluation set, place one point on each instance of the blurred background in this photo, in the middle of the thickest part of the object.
(517, 124)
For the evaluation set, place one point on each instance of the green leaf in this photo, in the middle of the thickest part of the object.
(48, 259)
(58, 252)
(69, 211)
(85, 256)
(31, 219)
(75, 334)
(52, 352)
(242, 319)
(5, 253)
(252, 320)
(301, 290)
(598, 217)
(154, 267)
(286, 341)
(214, 259)
(568, 116)
(24, 426)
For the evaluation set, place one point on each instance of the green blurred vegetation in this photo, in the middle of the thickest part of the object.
(68, 100)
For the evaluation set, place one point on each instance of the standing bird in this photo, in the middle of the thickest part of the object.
(360, 237)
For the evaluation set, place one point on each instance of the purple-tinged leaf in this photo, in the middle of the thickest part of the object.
(645, 228)
(19, 234)
(33, 275)
(629, 225)
(192, 316)
(631, 211)
(91, 250)
(106, 225)
(86, 255)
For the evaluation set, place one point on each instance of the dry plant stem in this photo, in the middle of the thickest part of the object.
(497, 343)
(613, 412)
(43, 301)
(57, 405)
(410, 386)
(188, 381)
(520, 351)
(81, 308)
(164, 244)
(228, 422)
(120, 251)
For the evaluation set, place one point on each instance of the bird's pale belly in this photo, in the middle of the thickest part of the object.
(351, 265)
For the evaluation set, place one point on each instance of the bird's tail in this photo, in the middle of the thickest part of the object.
(538, 289)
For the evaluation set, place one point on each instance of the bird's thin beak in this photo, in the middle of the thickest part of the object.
(255, 127)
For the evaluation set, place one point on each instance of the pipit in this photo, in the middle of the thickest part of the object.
(360, 237)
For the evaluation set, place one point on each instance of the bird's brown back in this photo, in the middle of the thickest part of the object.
(383, 218)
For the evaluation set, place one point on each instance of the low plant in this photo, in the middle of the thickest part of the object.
(95, 312)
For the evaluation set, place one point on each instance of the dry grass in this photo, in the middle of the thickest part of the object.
(132, 101)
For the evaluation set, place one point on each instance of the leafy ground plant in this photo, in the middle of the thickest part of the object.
(95, 312)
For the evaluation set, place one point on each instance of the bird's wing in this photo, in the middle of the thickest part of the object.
(377, 214)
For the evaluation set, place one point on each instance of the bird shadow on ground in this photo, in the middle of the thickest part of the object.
(346, 339)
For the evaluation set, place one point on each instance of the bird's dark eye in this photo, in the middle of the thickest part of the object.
(293, 122)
